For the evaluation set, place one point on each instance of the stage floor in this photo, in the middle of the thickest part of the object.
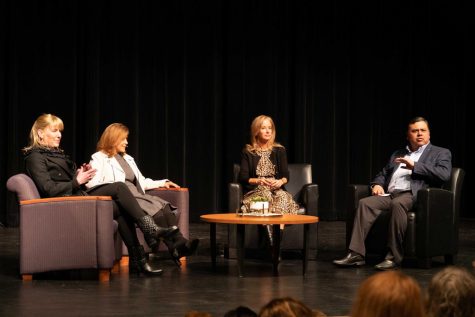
(195, 286)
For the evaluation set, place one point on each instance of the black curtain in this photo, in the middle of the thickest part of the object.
(340, 79)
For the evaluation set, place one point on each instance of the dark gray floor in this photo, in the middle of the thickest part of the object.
(195, 286)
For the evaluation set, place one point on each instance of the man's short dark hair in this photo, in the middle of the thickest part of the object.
(418, 119)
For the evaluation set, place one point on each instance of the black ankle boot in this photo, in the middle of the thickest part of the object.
(138, 262)
(152, 231)
(175, 256)
(188, 247)
(180, 248)
(151, 242)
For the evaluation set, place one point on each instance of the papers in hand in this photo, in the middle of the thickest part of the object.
(384, 195)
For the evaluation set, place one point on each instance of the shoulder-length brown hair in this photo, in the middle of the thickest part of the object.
(451, 293)
(388, 294)
(111, 137)
(41, 123)
(255, 129)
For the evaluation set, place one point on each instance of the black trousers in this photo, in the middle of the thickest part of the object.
(369, 208)
(126, 210)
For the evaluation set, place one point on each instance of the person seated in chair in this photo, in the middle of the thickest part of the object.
(264, 170)
(113, 164)
(55, 175)
(419, 165)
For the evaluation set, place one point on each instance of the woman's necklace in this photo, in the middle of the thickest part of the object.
(263, 147)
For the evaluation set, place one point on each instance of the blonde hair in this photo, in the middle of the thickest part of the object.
(451, 293)
(42, 122)
(255, 129)
(111, 137)
(388, 294)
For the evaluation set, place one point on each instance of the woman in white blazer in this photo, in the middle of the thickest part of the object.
(112, 164)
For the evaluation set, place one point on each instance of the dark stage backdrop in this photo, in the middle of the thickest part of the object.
(187, 77)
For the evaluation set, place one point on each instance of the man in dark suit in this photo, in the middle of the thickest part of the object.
(419, 165)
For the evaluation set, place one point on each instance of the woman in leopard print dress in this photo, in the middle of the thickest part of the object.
(264, 171)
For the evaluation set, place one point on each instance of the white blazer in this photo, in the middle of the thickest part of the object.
(110, 171)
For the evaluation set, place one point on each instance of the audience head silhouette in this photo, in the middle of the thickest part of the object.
(288, 307)
(451, 293)
(241, 311)
(388, 294)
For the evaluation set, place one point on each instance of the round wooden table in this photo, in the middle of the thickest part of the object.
(241, 221)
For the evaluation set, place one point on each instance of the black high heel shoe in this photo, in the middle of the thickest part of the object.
(138, 263)
(175, 256)
(183, 249)
(172, 249)
(188, 248)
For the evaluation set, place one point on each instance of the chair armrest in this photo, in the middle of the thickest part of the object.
(436, 220)
(63, 199)
(81, 229)
(178, 197)
(434, 199)
(235, 197)
(355, 193)
(434, 206)
(105, 233)
(310, 196)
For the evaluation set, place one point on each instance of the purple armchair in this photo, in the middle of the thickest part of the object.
(64, 233)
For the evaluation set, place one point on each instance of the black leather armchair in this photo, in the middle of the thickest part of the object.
(433, 224)
(304, 192)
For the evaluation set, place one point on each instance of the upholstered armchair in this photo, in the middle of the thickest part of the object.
(305, 193)
(433, 224)
(63, 233)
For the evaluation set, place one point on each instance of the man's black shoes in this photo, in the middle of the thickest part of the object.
(350, 260)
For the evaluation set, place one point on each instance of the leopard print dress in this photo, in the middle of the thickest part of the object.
(280, 201)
